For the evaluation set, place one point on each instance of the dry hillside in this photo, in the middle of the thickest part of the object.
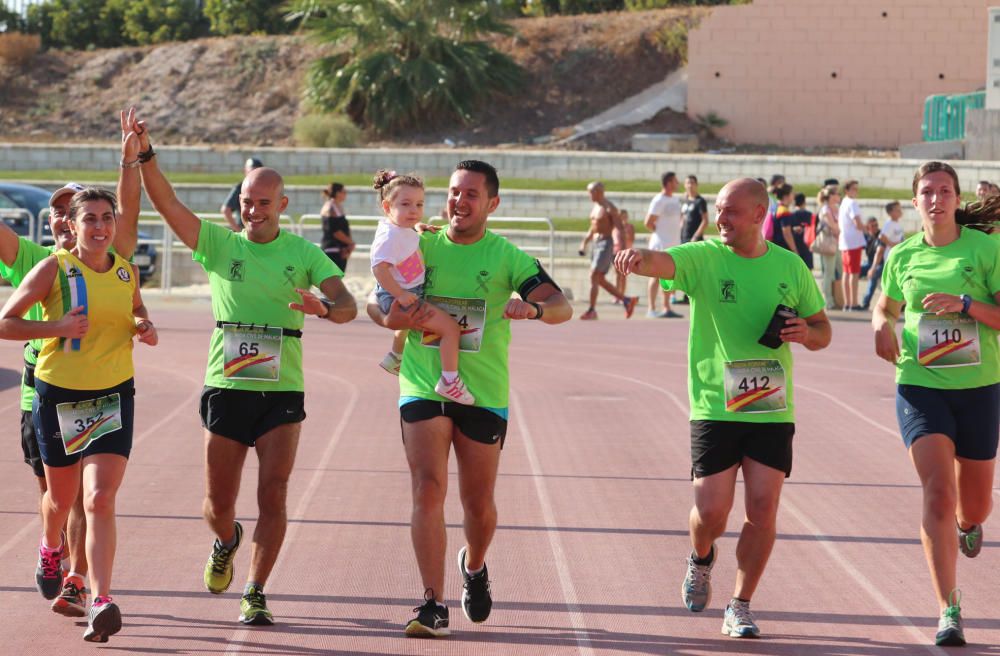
(246, 89)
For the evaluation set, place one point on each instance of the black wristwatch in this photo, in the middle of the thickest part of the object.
(146, 155)
(966, 303)
(538, 309)
(328, 305)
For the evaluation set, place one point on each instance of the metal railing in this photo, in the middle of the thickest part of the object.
(549, 250)
(944, 116)
(167, 242)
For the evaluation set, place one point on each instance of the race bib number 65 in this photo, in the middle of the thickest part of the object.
(251, 352)
(755, 386)
(82, 422)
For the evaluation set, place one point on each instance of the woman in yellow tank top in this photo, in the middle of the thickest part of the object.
(84, 407)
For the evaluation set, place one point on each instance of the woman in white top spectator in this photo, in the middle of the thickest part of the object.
(829, 203)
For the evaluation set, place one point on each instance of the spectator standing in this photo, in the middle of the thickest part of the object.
(623, 237)
(694, 212)
(336, 241)
(663, 220)
(793, 230)
(827, 228)
(784, 196)
(231, 207)
(890, 235)
(852, 243)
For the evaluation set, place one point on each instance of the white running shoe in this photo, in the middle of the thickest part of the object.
(454, 391)
(391, 363)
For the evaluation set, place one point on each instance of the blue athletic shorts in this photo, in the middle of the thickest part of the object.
(969, 417)
(50, 444)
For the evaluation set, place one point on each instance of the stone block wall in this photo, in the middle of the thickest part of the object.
(834, 72)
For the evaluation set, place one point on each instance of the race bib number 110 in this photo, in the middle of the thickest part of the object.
(949, 340)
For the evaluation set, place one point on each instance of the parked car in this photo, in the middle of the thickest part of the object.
(21, 203)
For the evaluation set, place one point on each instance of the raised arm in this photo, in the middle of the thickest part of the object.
(181, 220)
(9, 244)
(127, 232)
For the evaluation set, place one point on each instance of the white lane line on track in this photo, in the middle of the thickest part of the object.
(35, 523)
(863, 582)
(185, 406)
(872, 422)
(803, 519)
(580, 631)
(236, 641)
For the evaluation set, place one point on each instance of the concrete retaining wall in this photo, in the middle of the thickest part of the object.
(543, 165)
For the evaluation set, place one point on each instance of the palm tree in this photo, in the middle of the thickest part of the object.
(403, 63)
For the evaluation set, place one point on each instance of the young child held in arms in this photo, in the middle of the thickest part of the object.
(399, 270)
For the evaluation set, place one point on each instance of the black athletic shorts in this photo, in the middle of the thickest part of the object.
(29, 444)
(244, 416)
(478, 424)
(969, 417)
(718, 445)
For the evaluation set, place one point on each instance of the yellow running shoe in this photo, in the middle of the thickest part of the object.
(219, 568)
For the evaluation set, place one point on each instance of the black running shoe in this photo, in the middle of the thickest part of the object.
(431, 620)
(476, 599)
(105, 620)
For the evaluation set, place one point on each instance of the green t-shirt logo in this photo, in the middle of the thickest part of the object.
(290, 275)
(727, 291)
(482, 281)
(236, 270)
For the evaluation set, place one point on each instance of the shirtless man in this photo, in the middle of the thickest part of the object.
(604, 220)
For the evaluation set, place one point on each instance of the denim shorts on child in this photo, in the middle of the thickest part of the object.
(385, 299)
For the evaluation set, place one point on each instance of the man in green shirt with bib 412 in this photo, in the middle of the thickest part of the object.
(254, 388)
(749, 300)
(473, 274)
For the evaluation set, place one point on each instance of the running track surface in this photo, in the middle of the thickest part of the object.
(593, 495)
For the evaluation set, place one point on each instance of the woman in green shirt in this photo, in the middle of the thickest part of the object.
(947, 371)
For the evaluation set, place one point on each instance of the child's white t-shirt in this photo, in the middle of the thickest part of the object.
(400, 247)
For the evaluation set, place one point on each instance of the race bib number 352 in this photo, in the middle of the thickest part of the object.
(83, 422)
(470, 313)
(949, 340)
(755, 386)
(251, 352)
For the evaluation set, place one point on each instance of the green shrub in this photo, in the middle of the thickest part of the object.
(76, 24)
(247, 17)
(402, 64)
(326, 131)
(157, 21)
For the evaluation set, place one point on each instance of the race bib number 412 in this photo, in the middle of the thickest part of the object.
(251, 352)
(755, 386)
(470, 313)
(949, 340)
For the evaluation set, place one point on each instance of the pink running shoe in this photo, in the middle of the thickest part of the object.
(454, 391)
